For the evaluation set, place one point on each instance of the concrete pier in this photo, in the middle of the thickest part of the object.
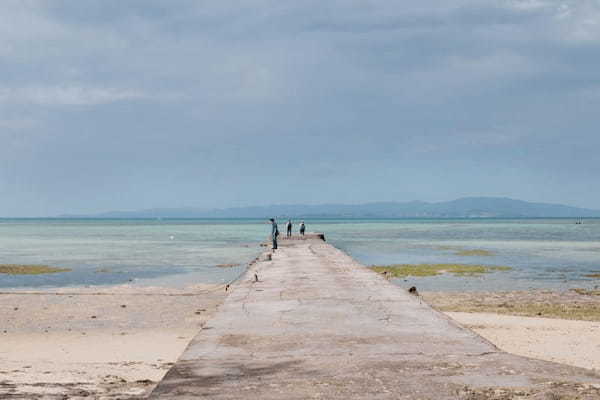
(317, 324)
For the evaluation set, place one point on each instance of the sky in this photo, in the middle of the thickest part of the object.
(124, 105)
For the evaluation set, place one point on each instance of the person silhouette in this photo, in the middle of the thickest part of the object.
(302, 228)
(274, 232)
(289, 228)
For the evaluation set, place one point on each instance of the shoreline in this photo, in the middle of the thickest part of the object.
(119, 341)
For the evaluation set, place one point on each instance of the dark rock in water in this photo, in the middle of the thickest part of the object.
(413, 290)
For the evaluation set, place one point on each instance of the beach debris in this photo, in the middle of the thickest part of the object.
(386, 275)
(114, 379)
(413, 290)
(93, 317)
(123, 305)
(255, 277)
(227, 287)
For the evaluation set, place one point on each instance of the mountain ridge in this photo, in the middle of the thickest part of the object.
(466, 207)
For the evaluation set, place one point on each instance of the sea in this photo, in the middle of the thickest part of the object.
(542, 253)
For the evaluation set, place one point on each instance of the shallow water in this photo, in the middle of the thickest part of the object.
(146, 252)
(543, 253)
(551, 253)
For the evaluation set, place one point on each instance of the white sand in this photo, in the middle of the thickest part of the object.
(83, 343)
(42, 362)
(100, 343)
(565, 341)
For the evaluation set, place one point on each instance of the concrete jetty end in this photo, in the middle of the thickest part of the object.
(317, 324)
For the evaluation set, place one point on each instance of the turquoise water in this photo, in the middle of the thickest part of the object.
(146, 252)
(552, 253)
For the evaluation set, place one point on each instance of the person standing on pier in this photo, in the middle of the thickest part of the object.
(289, 228)
(274, 232)
(302, 228)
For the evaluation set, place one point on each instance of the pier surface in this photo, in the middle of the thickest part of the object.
(317, 324)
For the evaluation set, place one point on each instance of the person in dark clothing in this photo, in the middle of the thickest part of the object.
(302, 228)
(289, 227)
(274, 232)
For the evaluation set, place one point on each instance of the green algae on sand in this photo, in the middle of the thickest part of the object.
(581, 312)
(21, 269)
(575, 304)
(475, 253)
(586, 292)
(403, 270)
(467, 252)
(227, 265)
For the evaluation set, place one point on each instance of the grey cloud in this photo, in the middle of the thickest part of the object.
(112, 104)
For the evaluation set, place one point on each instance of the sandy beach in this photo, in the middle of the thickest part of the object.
(119, 341)
(105, 343)
(569, 342)
(548, 325)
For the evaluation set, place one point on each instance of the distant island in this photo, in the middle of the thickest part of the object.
(468, 207)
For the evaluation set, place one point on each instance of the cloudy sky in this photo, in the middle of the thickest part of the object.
(110, 105)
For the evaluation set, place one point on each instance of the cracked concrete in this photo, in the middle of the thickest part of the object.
(318, 324)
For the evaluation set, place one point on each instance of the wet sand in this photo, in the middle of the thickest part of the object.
(108, 343)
